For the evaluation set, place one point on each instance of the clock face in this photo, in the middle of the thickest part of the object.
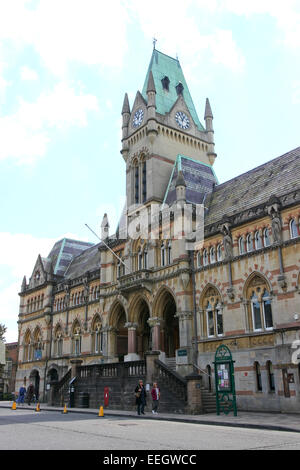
(182, 120)
(138, 118)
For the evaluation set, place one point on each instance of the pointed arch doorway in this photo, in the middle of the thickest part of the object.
(139, 331)
(171, 327)
(34, 378)
(167, 338)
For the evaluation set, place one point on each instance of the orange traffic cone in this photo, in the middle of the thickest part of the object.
(65, 409)
(101, 412)
(14, 406)
(38, 407)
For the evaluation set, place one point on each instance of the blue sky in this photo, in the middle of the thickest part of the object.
(64, 68)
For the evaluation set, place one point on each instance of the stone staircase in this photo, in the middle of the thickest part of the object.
(171, 363)
(208, 401)
(122, 378)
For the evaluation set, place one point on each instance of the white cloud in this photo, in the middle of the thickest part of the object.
(28, 74)
(26, 133)
(286, 15)
(18, 254)
(89, 32)
(179, 30)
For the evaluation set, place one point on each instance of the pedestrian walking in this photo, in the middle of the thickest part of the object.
(30, 394)
(140, 398)
(155, 393)
(21, 397)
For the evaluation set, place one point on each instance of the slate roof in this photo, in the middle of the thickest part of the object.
(88, 260)
(276, 177)
(63, 252)
(162, 65)
(199, 178)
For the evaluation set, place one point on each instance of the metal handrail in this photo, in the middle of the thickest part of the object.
(171, 372)
(202, 370)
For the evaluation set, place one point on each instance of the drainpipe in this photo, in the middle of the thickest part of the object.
(195, 352)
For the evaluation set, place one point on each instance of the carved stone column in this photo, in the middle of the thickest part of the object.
(132, 350)
(155, 324)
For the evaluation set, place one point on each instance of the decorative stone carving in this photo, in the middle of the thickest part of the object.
(227, 238)
(184, 277)
(276, 227)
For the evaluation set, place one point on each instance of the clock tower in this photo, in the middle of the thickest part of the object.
(161, 125)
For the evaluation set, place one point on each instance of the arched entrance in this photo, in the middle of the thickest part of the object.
(34, 378)
(52, 375)
(164, 308)
(143, 329)
(171, 327)
(120, 332)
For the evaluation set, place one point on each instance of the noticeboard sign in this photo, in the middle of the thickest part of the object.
(225, 383)
(224, 377)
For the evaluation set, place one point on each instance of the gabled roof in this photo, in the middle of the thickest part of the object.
(199, 179)
(162, 65)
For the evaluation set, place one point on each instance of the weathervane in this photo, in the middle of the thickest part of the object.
(154, 42)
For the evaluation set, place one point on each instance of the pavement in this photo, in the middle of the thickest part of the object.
(255, 420)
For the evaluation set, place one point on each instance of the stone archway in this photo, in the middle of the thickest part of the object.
(143, 329)
(118, 332)
(165, 311)
(34, 378)
(171, 327)
(139, 331)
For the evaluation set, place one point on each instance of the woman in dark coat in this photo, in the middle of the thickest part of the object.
(30, 393)
(140, 394)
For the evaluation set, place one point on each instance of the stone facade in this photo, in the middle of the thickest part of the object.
(128, 295)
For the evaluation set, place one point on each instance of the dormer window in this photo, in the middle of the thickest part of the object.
(165, 83)
(179, 88)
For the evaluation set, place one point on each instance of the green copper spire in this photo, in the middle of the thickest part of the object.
(163, 66)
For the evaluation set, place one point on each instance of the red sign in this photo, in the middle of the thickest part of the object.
(106, 396)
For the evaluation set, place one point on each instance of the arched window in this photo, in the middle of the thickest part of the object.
(97, 336)
(144, 181)
(267, 310)
(169, 254)
(205, 258)
(163, 254)
(249, 243)
(256, 313)
(293, 229)
(210, 320)
(242, 246)
(269, 367)
(267, 241)
(258, 242)
(27, 347)
(136, 184)
(212, 255)
(260, 304)
(37, 345)
(219, 253)
(199, 259)
(140, 260)
(58, 342)
(258, 377)
(76, 337)
(213, 313)
(145, 258)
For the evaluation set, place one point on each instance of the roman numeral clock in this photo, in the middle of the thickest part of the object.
(182, 120)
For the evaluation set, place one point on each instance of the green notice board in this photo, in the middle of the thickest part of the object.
(225, 382)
